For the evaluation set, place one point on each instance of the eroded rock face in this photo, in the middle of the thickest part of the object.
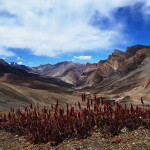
(67, 71)
(131, 51)
(119, 63)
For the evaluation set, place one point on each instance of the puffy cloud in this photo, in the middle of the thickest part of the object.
(53, 27)
(83, 57)
(6, 53)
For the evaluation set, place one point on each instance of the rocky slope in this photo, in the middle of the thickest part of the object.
(19, 88)
(13, 75)
(23, 67)
(66, 71)
(124, 76)
(125, 81)
(117, 65)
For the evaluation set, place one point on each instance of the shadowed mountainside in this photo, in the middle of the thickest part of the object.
(117, 65)
(124, 76)
(19, 88)
(66, 71)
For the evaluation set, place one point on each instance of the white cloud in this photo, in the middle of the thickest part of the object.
(6, 53)
(83, 57)
(53, 27)
(19, 63)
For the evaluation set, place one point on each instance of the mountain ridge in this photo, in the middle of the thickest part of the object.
(124, 76)
(66, 71)
(119, 63)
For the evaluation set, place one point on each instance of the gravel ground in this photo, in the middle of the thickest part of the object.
(134, 140)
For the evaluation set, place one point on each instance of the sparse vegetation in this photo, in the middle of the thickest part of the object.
(55, 124)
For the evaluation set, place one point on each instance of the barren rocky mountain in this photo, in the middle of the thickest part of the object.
(124, 76)
(66, 71)
(23, 67)
(117, 65)
(20, 88)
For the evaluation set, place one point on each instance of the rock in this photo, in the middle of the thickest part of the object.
(66, 71)
(117, 65)
(124, 130)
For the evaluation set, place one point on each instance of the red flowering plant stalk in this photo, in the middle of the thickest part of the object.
(54, 124)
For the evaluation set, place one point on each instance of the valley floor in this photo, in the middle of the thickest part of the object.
(135, 140)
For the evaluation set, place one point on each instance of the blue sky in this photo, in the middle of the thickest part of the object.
(50, 31)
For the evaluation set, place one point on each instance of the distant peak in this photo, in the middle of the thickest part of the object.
(133, 49)
(118, 52)
(45, 65)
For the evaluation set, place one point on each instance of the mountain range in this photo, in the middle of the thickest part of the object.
(124, 76)
(117, 65)
(67, 71)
